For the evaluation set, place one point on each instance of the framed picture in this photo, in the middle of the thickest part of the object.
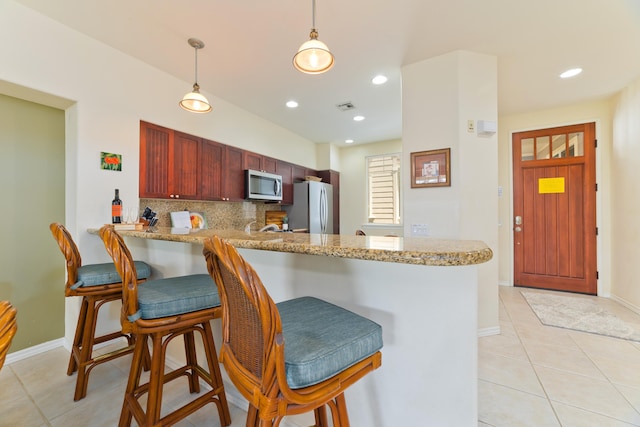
(431, 168)
(111, 161)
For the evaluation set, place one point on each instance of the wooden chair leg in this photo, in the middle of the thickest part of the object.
(214, 373)
(156, 380)
(339, 413)
(77, 340)
(86, 348)
(133, 382)
(252, 416)
(321, 416)
(192, 361)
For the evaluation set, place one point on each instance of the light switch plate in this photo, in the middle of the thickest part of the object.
(471, 126)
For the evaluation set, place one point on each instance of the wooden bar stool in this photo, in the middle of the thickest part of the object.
(96, 284)
(8, 328)
(292, 357)
(161, 310)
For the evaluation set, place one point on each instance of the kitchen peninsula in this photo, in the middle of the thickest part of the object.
(422, 291)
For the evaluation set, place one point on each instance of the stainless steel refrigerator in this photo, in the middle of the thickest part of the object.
(312, 207)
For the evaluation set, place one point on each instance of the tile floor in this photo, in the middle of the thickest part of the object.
(529, 375)
(537, 375)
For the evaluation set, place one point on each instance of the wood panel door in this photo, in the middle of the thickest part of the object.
(554, 222)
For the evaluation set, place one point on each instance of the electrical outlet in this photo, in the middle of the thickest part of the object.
(419, 230)
(471, 126)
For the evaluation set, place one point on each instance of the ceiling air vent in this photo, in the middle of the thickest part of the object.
(346, 106)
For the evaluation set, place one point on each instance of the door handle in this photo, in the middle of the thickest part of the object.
(518, 220)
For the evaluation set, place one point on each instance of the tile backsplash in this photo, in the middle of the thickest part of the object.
(219, 215)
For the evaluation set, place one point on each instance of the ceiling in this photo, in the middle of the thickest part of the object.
(249, 46)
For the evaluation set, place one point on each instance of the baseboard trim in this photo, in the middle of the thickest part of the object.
(485, 332)
(626, 303)
(32, 351)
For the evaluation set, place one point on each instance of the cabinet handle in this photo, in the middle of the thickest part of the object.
(171, 196)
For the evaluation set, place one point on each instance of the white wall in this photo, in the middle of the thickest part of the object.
(353, 182)
(54, 59)
(625, 188)
(439, 96)
(41, 55)
(598, 111)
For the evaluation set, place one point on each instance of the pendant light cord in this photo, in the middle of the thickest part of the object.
(196, 65)
(313, 14)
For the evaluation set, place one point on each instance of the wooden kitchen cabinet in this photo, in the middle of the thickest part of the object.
(168, 163)
(251, 160)
(211, 157)
(285, 169)
(269, 164)
(259, 162)
(175, 165)
(299, 172)
(233, 174)
(184, 176)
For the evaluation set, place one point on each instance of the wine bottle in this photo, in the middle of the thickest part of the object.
(116, 209)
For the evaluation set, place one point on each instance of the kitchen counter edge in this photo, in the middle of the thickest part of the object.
(413, 250)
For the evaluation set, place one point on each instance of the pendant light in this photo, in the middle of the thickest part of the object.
(194, 101)
(313, 57)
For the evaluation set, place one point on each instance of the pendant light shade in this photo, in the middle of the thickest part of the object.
(194, 101)
(313, 57)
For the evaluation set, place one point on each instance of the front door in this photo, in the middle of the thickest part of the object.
(554, 222)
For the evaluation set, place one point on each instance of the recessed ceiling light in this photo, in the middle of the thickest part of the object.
(358, 118)
(292, 104)
(571, 73)
(379, 79)
(348, 141)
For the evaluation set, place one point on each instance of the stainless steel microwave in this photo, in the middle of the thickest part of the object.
(260, 185)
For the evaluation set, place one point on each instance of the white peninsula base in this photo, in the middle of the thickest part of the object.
(428, 314)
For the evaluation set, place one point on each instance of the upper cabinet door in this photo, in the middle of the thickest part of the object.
(269, 164)
(211, 157)
(286, 171)
(233, 174)
(155, 145)
(184, 182)
(252, 161)
(169, 167)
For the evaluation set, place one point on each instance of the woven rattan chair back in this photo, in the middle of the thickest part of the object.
(125, 266)
(250, 319)
(8, 328)
(253, 348)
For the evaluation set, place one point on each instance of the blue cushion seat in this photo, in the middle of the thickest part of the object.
(106, 274)
(176, 295)
(322, 339)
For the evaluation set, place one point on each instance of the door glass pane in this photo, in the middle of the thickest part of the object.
(559, 144)
(527, 149)
(542, 148)
(576, 144)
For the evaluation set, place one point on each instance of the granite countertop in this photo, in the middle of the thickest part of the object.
(413, 250)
